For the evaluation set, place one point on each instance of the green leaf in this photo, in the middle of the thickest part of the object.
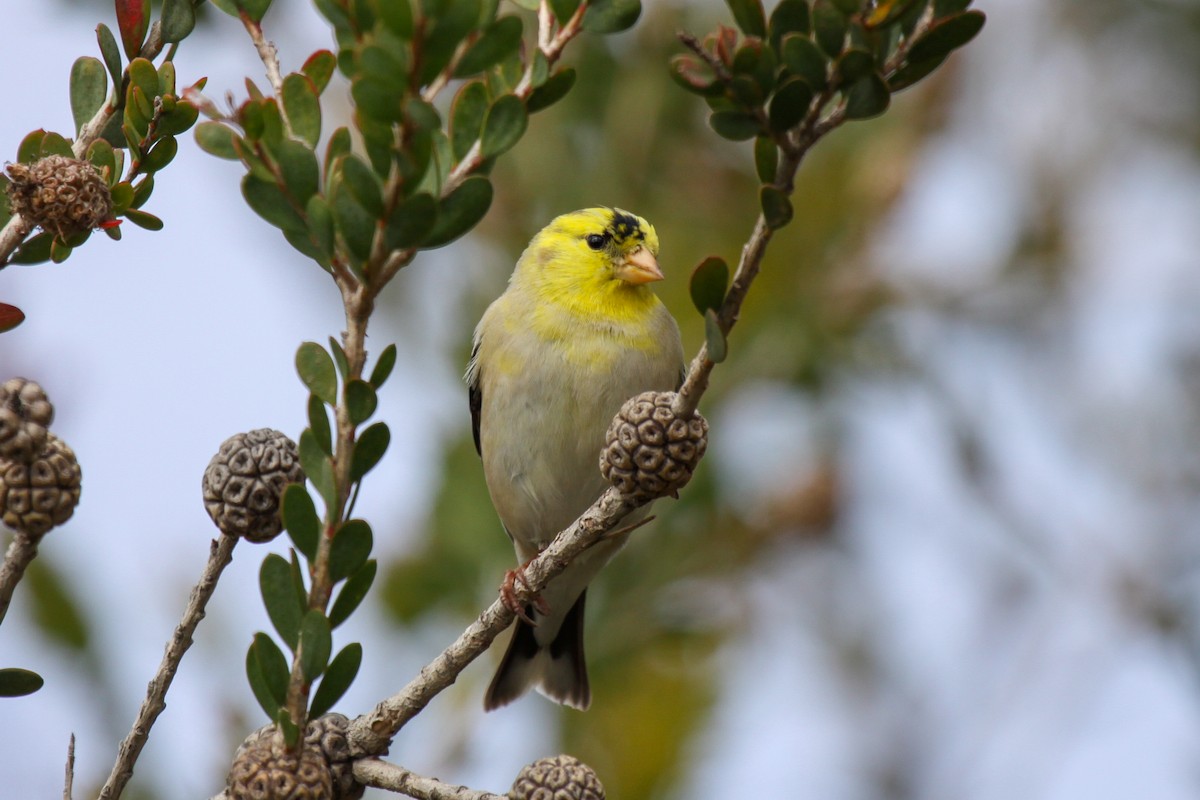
(55, 606)
(853, 64)
(110, 53)
(563, 9)
(255, 9)
(829, 27)
(460, 211)
(499, 41)
(749, 16)
(411, 222)
(54, 144)
(178, 20)
(611, 16)
(766, 158)
(735, 125)
(450, 28)
(299, 170)
(142, 192)
(466, 117)
(776, 207)
(143, 219)
(805, 60)
(398, 17)
(10, 317)
(319, 68)
(353, 593)
(339, 358)
(503, 126)
(371, 445)
(161, 154)
(279, 598)
(912, 72)
(133, 20)
(316, 370)
(849, 7)
(267, 671)
(217, 138)
(710, 280)
(375, 98)
(17, 682)
(283, 719)
(338, 677)
(363, 185)
(318, 423)
(383, 367)
(554, 89)
(946, 35)
(59, 252)
(89, 88)
(302, 107)
(122, 196)
(30, 148)
(144, 76)
(695, 77)
(317, 468)
(35, 250)
(352, 221)
(886, 12)
(316, 642)
(339, 146)
(299, 515)
(360, 401)
(179, 119)
(269, 202)
(714, 338)
(867, 97)
(790, 16)
(790, 105)
(350, 548)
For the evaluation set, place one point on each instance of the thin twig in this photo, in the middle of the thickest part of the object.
(220, 554)
(370, 734)
(69, 779)
(394, 778)
(21, 552)
(267, 53)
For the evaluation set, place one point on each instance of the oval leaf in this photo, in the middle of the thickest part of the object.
(714, 338)
(766, 158)
(611, 16)
(279, 598)
(10, 317)
(749, 16)
(17, 682)
(350, 548)
(302, 107)
(946, 35)
(178, 20)
(708, 285)
(316, 369)
(466, 117)
(316, 643)
(460, 211)
(299, 515)
(554, 89)
(267, 670)
(805, 60)
(352, 593)
(270, 203)
(504, 125)
(89, 87)
(383, 367)
(735, 125)
(338, 677)
(217, 139)
(319, 68)
(499, 41)
(317, 467)
(790, 105)
(867, 97)
(110, 52)
(133, 20)
(318, 423)
(370, 447)
(360, 401)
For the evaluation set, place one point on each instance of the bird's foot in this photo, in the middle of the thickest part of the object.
(508, 595)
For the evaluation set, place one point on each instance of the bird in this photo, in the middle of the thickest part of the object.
(577, 332)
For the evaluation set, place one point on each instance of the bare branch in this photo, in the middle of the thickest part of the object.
(394, 778)
(220, 554)
(21, 552)
(371, 733)
(69, 780)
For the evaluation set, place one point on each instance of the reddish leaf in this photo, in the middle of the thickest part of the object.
(133, 20)
(10, 317)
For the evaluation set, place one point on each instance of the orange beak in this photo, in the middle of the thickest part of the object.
(640, 266)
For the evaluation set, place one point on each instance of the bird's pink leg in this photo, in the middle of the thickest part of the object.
(508, 594)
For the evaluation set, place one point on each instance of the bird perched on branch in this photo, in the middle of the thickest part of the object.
(577, 332)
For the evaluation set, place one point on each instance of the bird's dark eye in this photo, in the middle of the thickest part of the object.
(596, 240)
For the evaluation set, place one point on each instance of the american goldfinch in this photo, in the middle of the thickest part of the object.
(577, 332)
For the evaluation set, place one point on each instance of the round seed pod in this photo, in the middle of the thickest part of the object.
(557, 778)
(650, 452)
(62, 195)
(264, 769)
(25, 415)
(35, 497)
(327, 736)
(245, 480)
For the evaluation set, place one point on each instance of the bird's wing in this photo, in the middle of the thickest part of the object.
(475, 396)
